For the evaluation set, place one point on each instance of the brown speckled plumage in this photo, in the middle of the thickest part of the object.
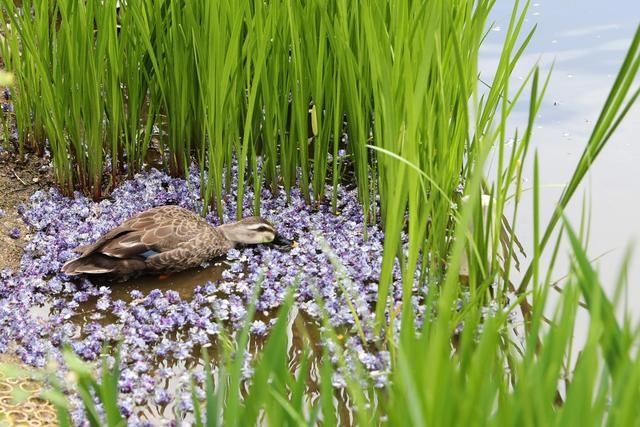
(164, 239)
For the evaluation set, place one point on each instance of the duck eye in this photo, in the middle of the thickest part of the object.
(263, 229)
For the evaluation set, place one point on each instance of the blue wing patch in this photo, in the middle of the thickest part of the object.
(148, 254)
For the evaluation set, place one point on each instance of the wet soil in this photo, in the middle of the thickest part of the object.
(19, 179)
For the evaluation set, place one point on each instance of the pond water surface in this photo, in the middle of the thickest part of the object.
(585, 41)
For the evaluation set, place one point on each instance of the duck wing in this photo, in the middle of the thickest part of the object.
(156, 230)
(164, 238)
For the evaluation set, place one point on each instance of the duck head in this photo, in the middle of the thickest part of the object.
(252, 231)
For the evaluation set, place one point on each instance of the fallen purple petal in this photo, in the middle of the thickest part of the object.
(332, 266)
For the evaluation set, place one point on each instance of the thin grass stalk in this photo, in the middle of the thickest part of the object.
(255, 64)
(28, 29)
(337, 136)
(140, 110)
(321, 111)
(301, 94)
(107, 26)
(220, 74)
(26, 85)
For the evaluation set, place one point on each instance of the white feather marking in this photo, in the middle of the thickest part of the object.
(126, 244)
(257, 227)
(94, 270)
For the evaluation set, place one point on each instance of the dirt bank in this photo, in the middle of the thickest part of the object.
(18, 180)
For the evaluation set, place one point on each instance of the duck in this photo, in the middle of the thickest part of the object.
(167, 239)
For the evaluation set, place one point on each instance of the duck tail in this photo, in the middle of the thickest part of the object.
(85, 265)
(97, 263)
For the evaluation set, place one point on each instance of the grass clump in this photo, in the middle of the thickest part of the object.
(81, 91)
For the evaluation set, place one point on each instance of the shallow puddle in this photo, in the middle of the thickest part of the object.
(183, 282)
(303, 337)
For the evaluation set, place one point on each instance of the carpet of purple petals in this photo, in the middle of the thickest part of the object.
(160, 324)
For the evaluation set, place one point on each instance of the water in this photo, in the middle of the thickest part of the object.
(303, 337)
(586, 42)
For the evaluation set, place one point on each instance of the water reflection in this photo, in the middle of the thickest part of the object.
(585, 41)
(303, 339)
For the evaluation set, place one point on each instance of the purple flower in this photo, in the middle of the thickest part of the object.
(162, 396)
(258, 327)
(331, 265)
(233, 254)
(103, 303)
(127, 380)
(173, 297)
(236, 267)
(14, 233)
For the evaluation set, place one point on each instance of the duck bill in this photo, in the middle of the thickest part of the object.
(282, 242)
